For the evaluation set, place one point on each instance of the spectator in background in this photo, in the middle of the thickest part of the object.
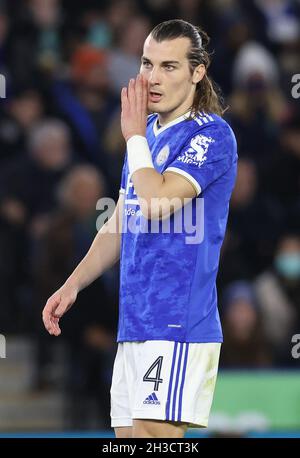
(285, 169)
(24, 108)
(278, 291)
(119, 13)
(278, 20)
(34, 42)
(231, 30)
(157, 10)
(189, 10)
(86, 102)
(90, 331)
(47, 16)
(245, 344)
(99, 33)
(233, 262)
(257, 105)
(255, 221)
(124, 59)
(28, 185)
(27, 196)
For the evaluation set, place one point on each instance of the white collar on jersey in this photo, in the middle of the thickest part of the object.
(157, 130)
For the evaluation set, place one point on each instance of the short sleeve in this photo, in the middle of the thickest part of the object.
(206, 156)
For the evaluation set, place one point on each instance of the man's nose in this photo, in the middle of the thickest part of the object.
(155, 76)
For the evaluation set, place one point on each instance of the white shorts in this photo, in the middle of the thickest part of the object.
(163, 380)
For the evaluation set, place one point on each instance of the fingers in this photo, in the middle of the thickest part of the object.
(55, 326)
(139, 94)
(51, 324)
(123, 93)
(141, 91)
(134, 107)
(136, 95)
(124, 99)
(145, 94)
(131, 93)
(48, 312)
(53, 310)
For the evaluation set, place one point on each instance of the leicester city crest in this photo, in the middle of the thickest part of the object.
(163, 155)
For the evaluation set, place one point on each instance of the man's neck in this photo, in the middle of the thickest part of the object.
(166, 119)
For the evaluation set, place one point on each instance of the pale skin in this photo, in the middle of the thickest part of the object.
(165, 71)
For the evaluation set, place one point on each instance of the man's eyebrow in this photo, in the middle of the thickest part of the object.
(165, 62)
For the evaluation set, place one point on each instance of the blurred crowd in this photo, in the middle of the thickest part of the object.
(61, 149)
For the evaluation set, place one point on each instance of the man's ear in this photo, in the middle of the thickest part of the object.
(199, 73)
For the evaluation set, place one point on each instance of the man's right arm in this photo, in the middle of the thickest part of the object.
(103, 253)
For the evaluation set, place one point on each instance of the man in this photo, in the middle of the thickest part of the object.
(169, 328)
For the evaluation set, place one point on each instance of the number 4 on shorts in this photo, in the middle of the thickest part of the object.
(157, 380)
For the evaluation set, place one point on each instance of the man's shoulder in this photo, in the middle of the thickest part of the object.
(211, 125)
(188, 126)
(210, 121)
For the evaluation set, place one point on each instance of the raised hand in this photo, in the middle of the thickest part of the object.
(134, 101)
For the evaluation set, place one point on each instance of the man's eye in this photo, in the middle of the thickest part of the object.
(147, 64)
(169, 67)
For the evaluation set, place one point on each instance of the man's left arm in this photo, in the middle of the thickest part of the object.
(159, 195)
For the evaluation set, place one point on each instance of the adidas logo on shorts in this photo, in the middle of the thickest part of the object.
(152, 399)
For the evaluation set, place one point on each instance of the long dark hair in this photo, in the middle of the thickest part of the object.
(208, 96)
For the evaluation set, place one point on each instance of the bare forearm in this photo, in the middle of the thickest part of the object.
(160, 195)
(148, 183)
(103, 253)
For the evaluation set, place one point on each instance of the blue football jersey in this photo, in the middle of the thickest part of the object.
(168, 268)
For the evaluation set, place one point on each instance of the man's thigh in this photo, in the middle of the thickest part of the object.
(124, 432)
(158, 428)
